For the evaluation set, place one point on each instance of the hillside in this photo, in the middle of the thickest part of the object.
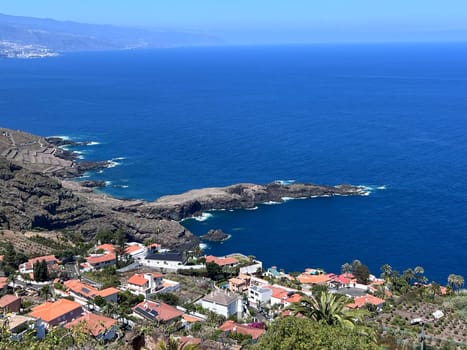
(67, 36)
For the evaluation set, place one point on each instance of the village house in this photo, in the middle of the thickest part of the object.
(164, 261)
(98, 261)
(359, 302)
(101, 327)
(27, 267)
(225, 261)
(136, 250)
(222, 303)
(11, 303)
(157, 311)
(230, 326)
(106, 248)
(259, 295)
(238, 285)
(315, 276)
(144, 284)
(61, 311)
(84, 292)
(283, 296)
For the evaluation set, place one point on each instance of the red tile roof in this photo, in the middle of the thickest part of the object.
(231, 326)
(94, 324)
(132, 248)
(51, 311)
(106, 247)
(8, 299)
(138, 279)
(108, 292)
(164, 312)
(366, 299)
(94, 260)
(78, 287)
(223, 261)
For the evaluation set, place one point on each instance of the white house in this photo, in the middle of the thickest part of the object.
(164, 260)
(222, 303)
(144, 284)
(259, 295)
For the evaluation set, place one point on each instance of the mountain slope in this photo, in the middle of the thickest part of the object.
(71, 36)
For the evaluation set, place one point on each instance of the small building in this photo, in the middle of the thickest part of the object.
(164, 260)
(27, 267)
(230, 326)
(259, 295)
(237, 285)
(283, 296)
(366, 299)
(101, 327)
(224, 261)
(136, 250)
(61, 311)
(11, 303)
(157, 311)
(98, 261)
(106, 248)
(222, 303)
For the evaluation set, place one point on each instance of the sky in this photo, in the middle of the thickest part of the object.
(268, 20)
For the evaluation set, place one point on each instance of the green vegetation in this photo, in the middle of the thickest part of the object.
(107, 276)
(40, 271)
(303, 334)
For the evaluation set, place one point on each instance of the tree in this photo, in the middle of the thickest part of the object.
(326, 308)
(455, 281)
(99, 301)
(303, 334)
(346, 268)
(40, 271)
(419, 275)
(214, 271)
(361, 273)
(46, 292)
(408, 275)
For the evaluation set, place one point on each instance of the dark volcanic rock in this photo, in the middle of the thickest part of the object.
(92, 183)
(215, 236)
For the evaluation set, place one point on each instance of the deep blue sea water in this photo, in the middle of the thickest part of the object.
(177, 119)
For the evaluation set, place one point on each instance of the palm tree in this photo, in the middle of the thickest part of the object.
(409, 275)
(455, 281)
(346, 268)
(386, 270)
(46, 291)
(327, 308)
(174, 344)
(419, 271)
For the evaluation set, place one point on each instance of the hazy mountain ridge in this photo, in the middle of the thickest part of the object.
(71, 36)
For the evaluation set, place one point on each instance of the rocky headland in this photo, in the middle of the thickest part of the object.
(35, 194)
(215, 235)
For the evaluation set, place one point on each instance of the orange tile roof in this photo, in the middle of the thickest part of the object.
(3, 282)
(78, 287)
(106, 247)
(237, 281)
(365, 299)
(295, 298)
(154, 245)
(231, 326)
(107, 292)
(164, 311)
(132, 248)
(51, 311)
(138, 279)
(191, 319)
(47, 258)
(221, 261)
(278, 293)
(93, 260)
(314, 279)
(189, 340)
(94, 324)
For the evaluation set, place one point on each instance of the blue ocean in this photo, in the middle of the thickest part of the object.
(391, 117)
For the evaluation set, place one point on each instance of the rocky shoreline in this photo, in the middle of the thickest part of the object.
(35, 170)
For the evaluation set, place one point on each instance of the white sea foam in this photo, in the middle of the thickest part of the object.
(285, 199)
(284, 182)
(383, 187)
(119, 158)
(203, 217)
(93, 143)
(203, 246)
(63, 137)
(253, 208)
(271, 203)
(100, 171)
(108, 183)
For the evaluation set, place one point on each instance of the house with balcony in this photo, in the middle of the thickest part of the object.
(145, 283)
(223, 303)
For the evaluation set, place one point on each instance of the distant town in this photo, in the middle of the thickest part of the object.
(10, 49)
